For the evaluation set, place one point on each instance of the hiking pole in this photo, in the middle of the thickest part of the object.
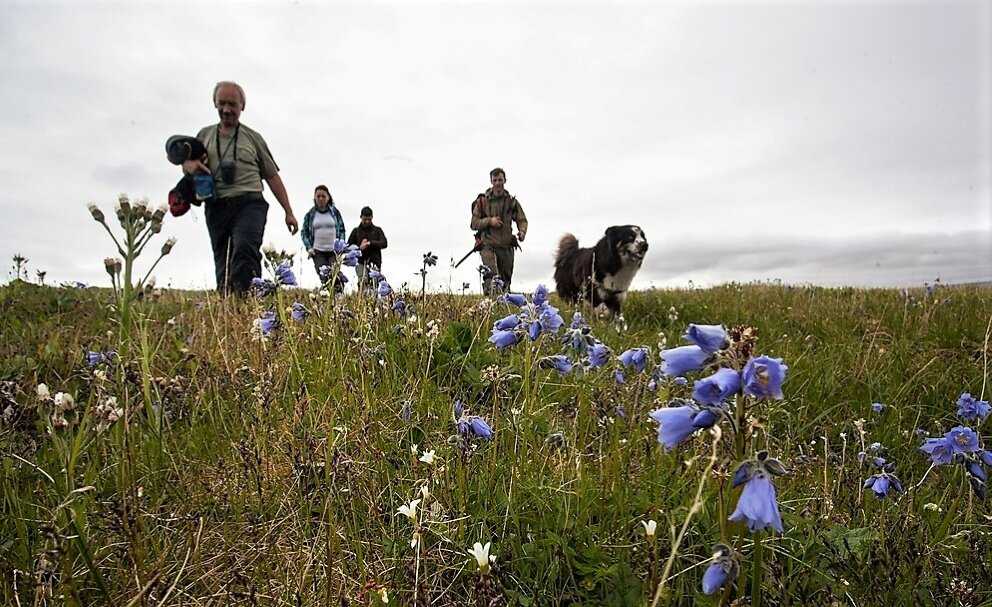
(475, 249)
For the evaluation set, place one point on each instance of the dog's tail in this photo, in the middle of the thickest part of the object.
(567, 246)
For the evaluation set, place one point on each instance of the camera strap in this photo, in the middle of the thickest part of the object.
(234, 140)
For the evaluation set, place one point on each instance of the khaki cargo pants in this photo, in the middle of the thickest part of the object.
(499, 260)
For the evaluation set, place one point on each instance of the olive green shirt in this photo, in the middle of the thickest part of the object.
(253, 162)
(505, 207)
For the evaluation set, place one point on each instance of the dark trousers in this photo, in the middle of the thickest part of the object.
(499, 260)
(328, 258)
(236, 226)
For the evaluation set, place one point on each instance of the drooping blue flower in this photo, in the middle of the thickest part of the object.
(534, 330)
(714, 578)
(706, 418)
(507, 323)
(975, 470)
(599, 355)
(723, 569)
(399, 307)
(384, 290)
(339, 246)
(878, 407)
(262, 286)
(962, 439)
(351, 256)
(458, 408)
(558, 362)
(551, 320)
(677, 361)
(540, 295)
(710, 338)
(503, 339)
(675, 424)
(969, 408)
(95, 358)
(763, 377)
(578, 322)
(985, 456)
(618, 377)
(267, 322)
(376, 276)
(473, 425)
(325, 272)
(298, 313)
(883, 483)
(284, 274)
(635, 357)
(940, 450)
(718, 387)
(515, 299)
(680, 381)
(757, 505)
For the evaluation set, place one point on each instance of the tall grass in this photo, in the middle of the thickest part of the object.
(270, 472)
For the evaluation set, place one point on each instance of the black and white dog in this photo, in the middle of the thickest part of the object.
(603, 273)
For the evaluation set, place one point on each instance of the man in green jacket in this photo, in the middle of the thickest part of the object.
(492, 216)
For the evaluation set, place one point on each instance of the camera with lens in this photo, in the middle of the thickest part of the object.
(227, 167)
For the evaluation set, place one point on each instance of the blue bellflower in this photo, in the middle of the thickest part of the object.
(298, 313)
(724, 567)
(268, 322)
(681, 360)
(503, 339)
(763, 377)
(507, 323)
(540, 296)
(971, 409)
(284, 274)
(939, 449)
(474, 426)
(711, 338)
(757, 505)
(962, 439)
(718, 387)
(599, 355)
(674, 424)
(882, 484)
(515, 299)
(384, 290)
(714, 578)
(635, 357)
(877, 407)
(262, 286)
(558, 362)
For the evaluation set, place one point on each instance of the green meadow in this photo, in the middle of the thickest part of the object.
(207, 465)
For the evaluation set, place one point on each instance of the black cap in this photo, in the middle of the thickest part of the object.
(180, 148)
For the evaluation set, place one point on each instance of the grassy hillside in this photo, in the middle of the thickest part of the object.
(239, 470)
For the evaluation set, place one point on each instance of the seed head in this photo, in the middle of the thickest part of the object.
(95, 212)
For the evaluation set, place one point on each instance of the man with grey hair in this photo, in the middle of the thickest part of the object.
(237, 159)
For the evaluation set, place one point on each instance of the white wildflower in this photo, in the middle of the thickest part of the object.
(482, 557)
(409, 511)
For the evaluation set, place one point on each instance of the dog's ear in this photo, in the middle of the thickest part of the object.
(612, 238)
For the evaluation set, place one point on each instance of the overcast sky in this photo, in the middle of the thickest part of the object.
(832, 143)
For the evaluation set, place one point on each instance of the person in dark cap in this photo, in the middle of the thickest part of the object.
(371, 240)
(238, 159)
(492, 214)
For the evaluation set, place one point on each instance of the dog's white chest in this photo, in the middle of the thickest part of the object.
(622, 279)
